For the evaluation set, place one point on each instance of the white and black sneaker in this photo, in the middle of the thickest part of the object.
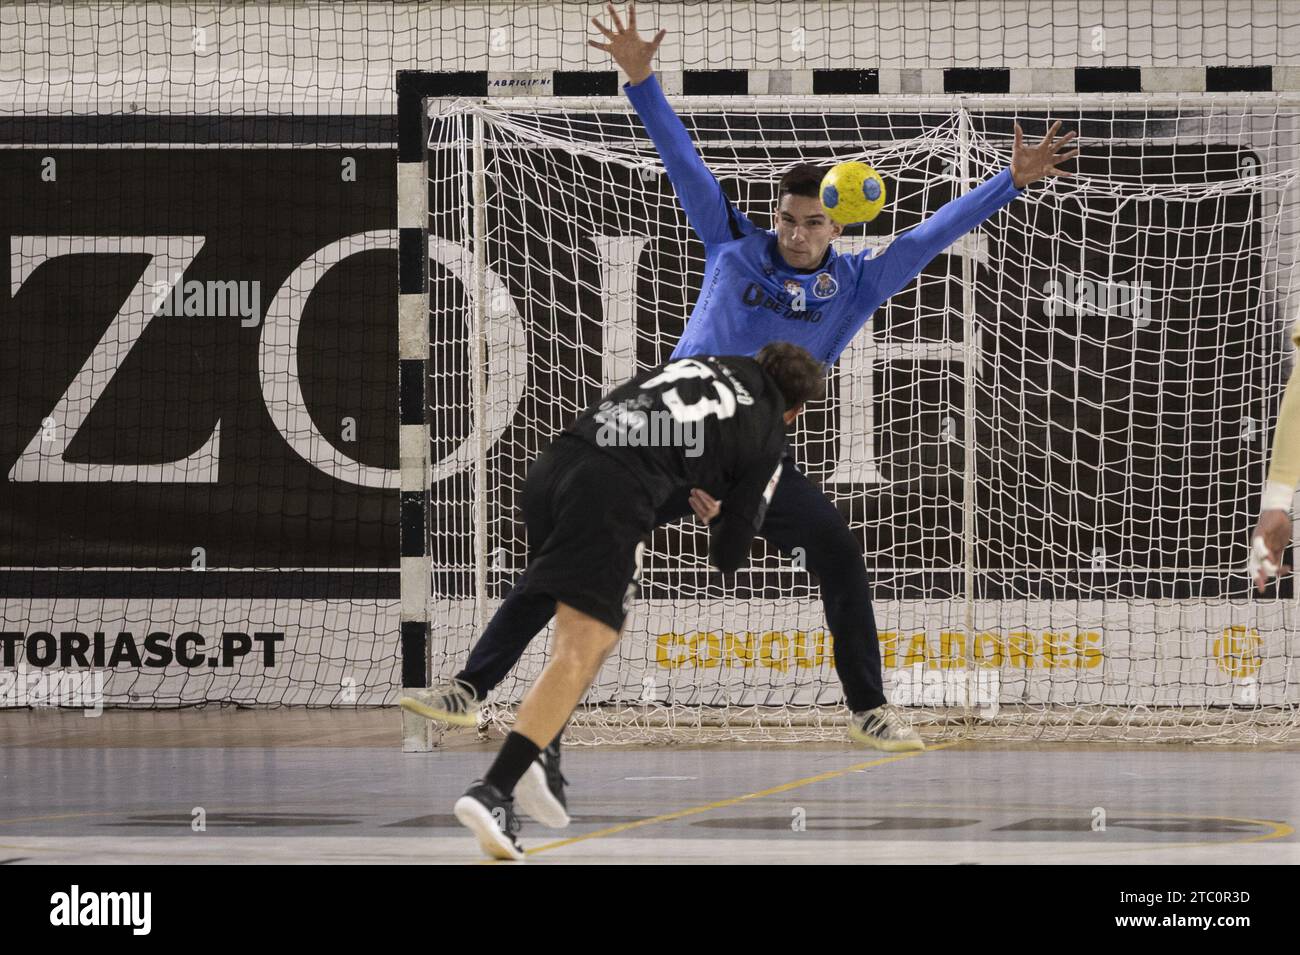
(490, 815)
(886, 729)
(453, 703)
(540, 791)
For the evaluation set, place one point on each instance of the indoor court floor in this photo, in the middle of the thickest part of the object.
(318, 786)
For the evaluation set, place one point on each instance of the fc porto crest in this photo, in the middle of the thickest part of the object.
(825, 286)
(792, 286)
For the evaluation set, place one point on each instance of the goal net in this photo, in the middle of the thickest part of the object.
(1050, 445)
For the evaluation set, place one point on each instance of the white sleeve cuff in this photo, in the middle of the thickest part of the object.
(1276, 497)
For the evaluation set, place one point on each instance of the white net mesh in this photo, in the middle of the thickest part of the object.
(1050, 444)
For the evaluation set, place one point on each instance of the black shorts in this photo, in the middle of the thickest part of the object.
(587, 519)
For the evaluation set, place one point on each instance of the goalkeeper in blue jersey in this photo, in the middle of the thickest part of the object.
(755, 281)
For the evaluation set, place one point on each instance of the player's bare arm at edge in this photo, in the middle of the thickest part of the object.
(1273, 532)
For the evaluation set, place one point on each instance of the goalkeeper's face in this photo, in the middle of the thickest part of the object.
(804, 230)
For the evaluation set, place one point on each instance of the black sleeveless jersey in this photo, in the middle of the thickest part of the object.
(709, 422)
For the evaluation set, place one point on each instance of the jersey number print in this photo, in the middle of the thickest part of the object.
(724, 406)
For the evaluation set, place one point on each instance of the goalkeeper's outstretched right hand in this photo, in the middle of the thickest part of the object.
(630, 52)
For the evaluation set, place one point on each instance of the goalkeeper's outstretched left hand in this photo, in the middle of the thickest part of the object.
(1032, 163)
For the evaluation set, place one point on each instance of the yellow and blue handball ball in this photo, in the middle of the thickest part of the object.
(853, 192)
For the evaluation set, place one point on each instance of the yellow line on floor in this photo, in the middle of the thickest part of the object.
(1281, 830)
(734, 800)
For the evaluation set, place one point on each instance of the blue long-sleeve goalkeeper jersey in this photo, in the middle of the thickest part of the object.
(750, 294)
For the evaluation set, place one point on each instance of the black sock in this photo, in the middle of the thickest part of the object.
(517, 754)
(555, 743)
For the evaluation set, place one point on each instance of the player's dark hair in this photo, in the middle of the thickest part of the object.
(804, 179)
(798, 374)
